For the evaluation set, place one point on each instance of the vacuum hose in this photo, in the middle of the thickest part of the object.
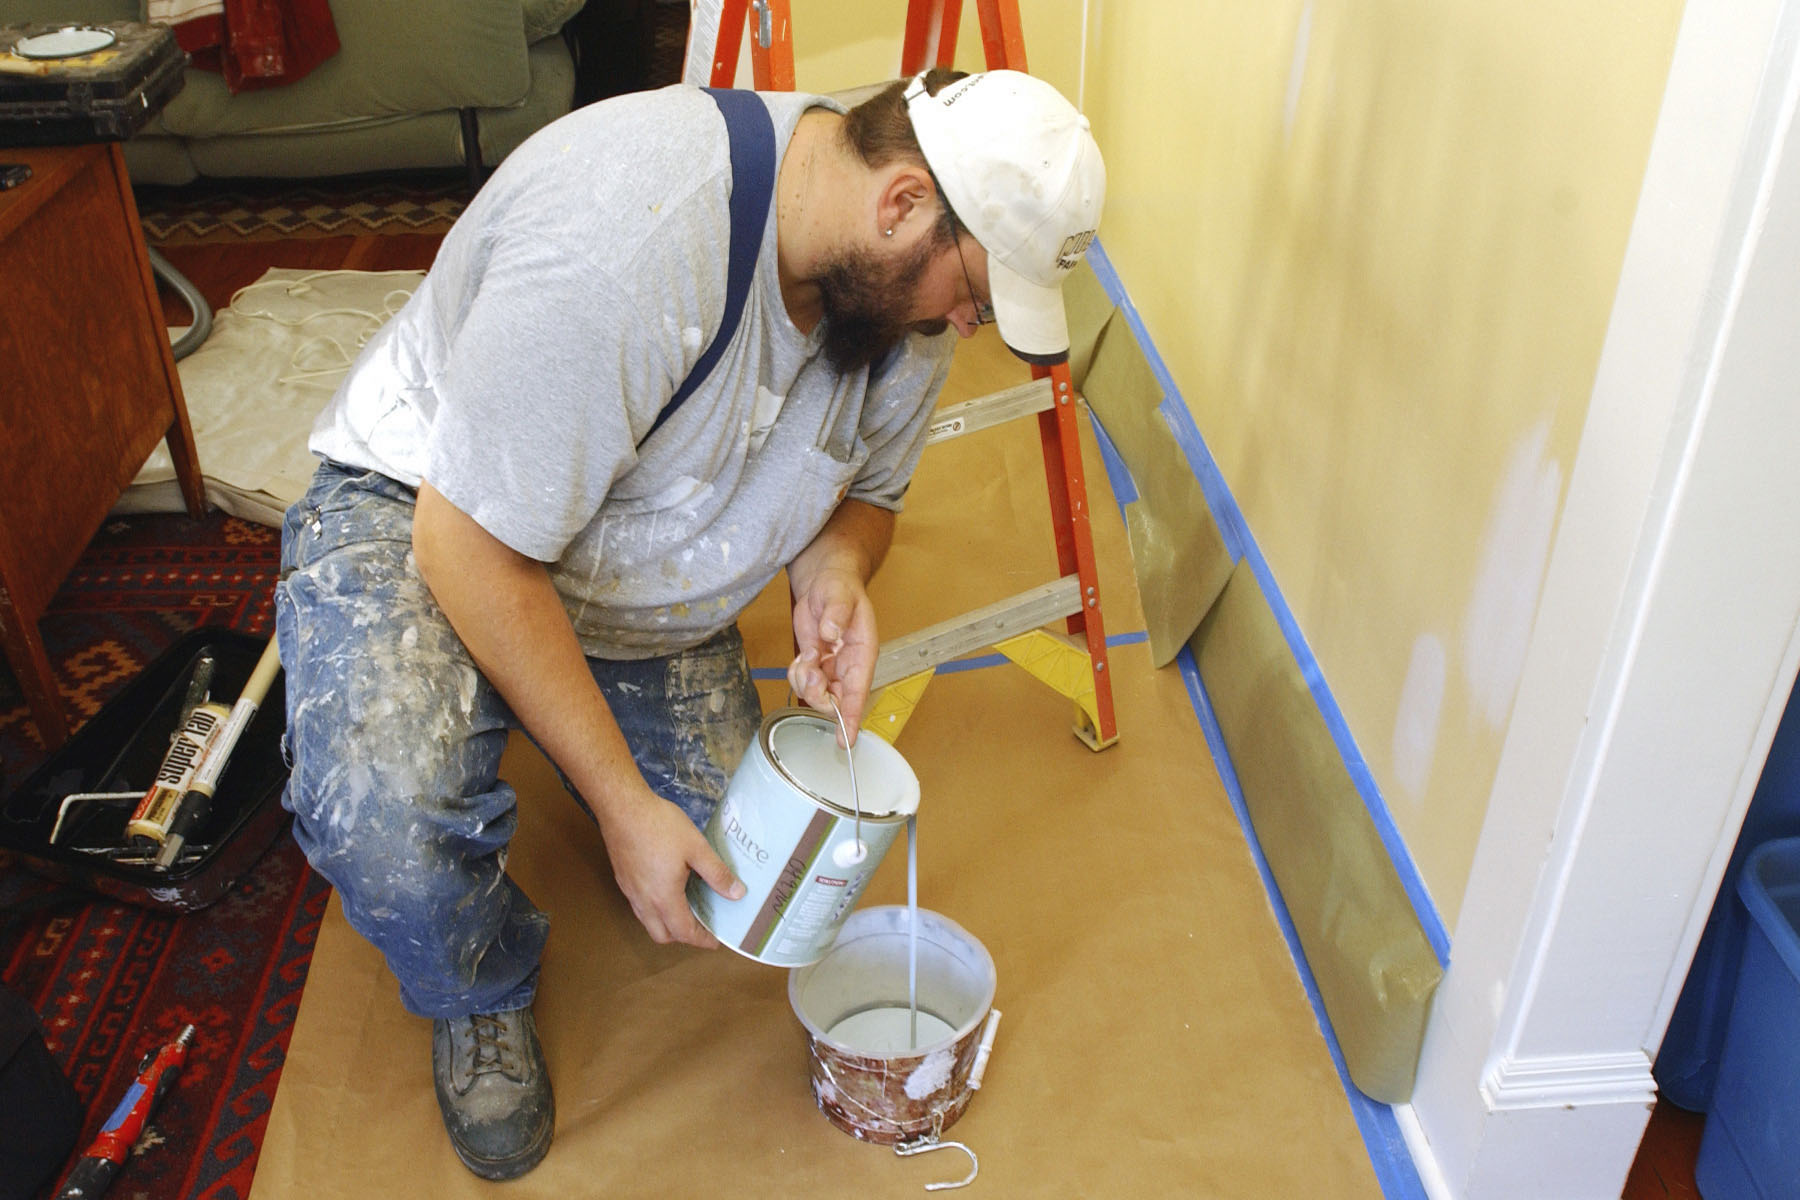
(197, 333)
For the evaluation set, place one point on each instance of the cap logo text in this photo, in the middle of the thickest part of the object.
(967, 86)
(1073, 247)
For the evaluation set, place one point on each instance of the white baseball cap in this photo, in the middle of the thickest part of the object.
(1019, 169)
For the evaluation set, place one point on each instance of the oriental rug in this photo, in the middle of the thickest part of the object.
(206, 211)
(110, 981)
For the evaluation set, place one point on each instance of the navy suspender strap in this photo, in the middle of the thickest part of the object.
(752, 137)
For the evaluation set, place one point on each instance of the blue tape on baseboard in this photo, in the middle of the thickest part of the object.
(1236, 534)
(1388, 1154)
(1386, 1145)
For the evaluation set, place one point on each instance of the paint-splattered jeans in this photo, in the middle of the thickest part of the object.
(395, 739)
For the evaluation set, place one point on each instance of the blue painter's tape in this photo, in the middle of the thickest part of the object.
(1381, 1135)
(977, 661)
(973, 662)
(1118, 475)
(1181, 423)
(1241, 544)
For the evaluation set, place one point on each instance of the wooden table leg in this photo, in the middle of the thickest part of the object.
(180, 435)
(24, 647)
(90, 386)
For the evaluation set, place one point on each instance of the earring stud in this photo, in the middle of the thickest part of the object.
(889, 233)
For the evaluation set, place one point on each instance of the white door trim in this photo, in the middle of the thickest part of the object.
(1665, 645)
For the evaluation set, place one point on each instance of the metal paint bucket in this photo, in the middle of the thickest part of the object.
(787, 827)
(887, 1095)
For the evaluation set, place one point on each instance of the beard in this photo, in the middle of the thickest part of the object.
(865, 301)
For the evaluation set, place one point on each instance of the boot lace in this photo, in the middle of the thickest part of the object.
(491, 1048)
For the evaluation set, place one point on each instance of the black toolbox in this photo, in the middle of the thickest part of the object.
(119, 750)
(104, 95)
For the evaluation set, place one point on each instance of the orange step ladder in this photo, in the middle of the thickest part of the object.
(1076, 665)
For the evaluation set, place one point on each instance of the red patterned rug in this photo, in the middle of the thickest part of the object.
(278, 210)
(112, 981)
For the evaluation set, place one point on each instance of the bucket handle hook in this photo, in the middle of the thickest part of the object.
(926, 1145)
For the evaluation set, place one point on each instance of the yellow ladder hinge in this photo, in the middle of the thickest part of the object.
(1065, 667)
(893, 704)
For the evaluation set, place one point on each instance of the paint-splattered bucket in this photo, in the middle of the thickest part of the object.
(788, 827)
(867, 1082)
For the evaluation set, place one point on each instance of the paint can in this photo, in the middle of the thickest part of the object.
(868, 1082)
(788, 828)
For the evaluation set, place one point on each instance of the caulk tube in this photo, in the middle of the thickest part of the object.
(154, 814)
(197, 801)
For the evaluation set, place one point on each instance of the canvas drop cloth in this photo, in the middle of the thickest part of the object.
(1156, 1040)
(254, 387)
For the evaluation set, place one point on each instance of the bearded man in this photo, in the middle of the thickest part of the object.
(679, 342)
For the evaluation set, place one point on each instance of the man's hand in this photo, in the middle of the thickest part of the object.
(834, 622)
(834, 628)
(653, 846)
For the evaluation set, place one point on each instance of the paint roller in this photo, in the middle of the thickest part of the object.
(196, 800)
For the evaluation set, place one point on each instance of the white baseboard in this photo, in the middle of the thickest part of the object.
(1555, 1128)
(1431, 1175)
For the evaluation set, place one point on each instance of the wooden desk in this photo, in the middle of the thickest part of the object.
(87, 386)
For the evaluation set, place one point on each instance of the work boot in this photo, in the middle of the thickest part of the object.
(494, 1090)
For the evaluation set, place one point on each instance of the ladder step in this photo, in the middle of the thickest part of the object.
(997, 408)
(976, 630)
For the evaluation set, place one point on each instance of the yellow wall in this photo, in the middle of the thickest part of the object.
(1376, 242)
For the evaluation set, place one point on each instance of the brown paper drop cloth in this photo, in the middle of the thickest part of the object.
(1156, 1040)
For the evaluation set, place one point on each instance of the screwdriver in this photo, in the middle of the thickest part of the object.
(156, 1075)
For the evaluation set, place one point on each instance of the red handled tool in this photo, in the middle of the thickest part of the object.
(156, 1075)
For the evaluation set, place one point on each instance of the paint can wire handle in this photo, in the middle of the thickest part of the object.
(929, 1143)
(862, 851)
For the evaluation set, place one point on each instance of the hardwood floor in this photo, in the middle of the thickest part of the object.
(1664, 1169)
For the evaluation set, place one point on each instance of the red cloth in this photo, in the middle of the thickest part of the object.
(260, 43)
(198, 24)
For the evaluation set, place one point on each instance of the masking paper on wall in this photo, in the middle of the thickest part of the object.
(1374, 966)
(1179, 555)
(1089, 309)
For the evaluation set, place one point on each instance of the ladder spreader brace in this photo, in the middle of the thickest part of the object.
(1014, 626)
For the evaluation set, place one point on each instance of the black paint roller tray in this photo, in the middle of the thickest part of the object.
(119, 749)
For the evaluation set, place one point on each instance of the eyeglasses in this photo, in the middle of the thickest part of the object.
(984, 310)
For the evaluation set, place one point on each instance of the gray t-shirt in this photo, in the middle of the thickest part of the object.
(563, 311)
